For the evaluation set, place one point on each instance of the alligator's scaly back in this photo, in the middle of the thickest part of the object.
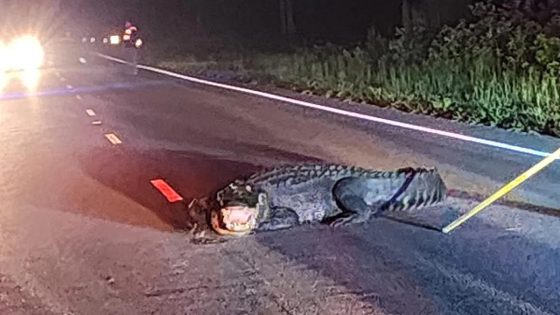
(296, 174)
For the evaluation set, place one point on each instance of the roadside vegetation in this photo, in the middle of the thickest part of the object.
(498, 67)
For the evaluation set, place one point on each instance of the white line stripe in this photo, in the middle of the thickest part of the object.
(79, 97)
(68, 86)
(96, 122)
(448, 134)
(113, 138)
(90, 112)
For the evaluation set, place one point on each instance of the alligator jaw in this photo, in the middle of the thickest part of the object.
(233, 221)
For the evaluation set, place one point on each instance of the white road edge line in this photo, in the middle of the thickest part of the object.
(90, 112)
(113, 138)
(342, 112)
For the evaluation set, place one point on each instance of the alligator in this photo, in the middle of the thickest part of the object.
(337, 195)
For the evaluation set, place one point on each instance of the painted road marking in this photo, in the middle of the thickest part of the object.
(96, 122)
(83, 60)
(79, 97)
(57, 74)
(342, 112)
(167, 191)
(68, 86)
(113, 138)
(90, 112)
(62, 79)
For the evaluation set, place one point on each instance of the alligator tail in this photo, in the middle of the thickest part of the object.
(422, 188)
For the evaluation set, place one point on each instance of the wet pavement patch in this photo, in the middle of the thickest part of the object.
(129, 172)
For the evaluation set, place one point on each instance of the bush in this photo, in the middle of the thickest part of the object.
(499, 69)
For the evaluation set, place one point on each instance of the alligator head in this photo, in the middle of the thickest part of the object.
(239, 211)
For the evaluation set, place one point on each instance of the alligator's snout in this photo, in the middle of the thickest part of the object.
(234, 220)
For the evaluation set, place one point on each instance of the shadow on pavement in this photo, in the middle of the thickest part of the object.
(508, 203)
(129, 171)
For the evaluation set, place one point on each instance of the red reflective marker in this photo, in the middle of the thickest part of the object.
(166, 190)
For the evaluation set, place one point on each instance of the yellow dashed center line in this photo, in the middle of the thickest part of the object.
(90, 112)
(113, 138)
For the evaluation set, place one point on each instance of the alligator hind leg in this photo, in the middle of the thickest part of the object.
(354, 210)
(279, 219)
(350, 196)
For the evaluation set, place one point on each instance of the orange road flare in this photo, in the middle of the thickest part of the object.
(166, 190)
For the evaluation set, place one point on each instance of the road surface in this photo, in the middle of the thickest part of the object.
(82, 231)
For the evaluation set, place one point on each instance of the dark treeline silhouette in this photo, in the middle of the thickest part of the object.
(270, 20)
(275, 21)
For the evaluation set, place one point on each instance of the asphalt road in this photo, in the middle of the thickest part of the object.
(82, 231)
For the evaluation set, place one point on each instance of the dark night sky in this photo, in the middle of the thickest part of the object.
(332, 19)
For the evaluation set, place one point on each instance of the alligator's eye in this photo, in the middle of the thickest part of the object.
(249, 188)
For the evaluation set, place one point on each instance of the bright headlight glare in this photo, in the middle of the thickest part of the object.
(4, 57)
(25, 53)
(115, 39)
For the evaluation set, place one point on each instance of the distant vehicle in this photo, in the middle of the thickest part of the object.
(131, 38)
(115, 40)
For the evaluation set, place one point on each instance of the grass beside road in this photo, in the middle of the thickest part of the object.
(498, 69)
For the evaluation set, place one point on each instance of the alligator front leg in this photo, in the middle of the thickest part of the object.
(279, 219)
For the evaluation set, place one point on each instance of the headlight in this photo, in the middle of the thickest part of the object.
(4, 55)
(115, 39)
(25, 53)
